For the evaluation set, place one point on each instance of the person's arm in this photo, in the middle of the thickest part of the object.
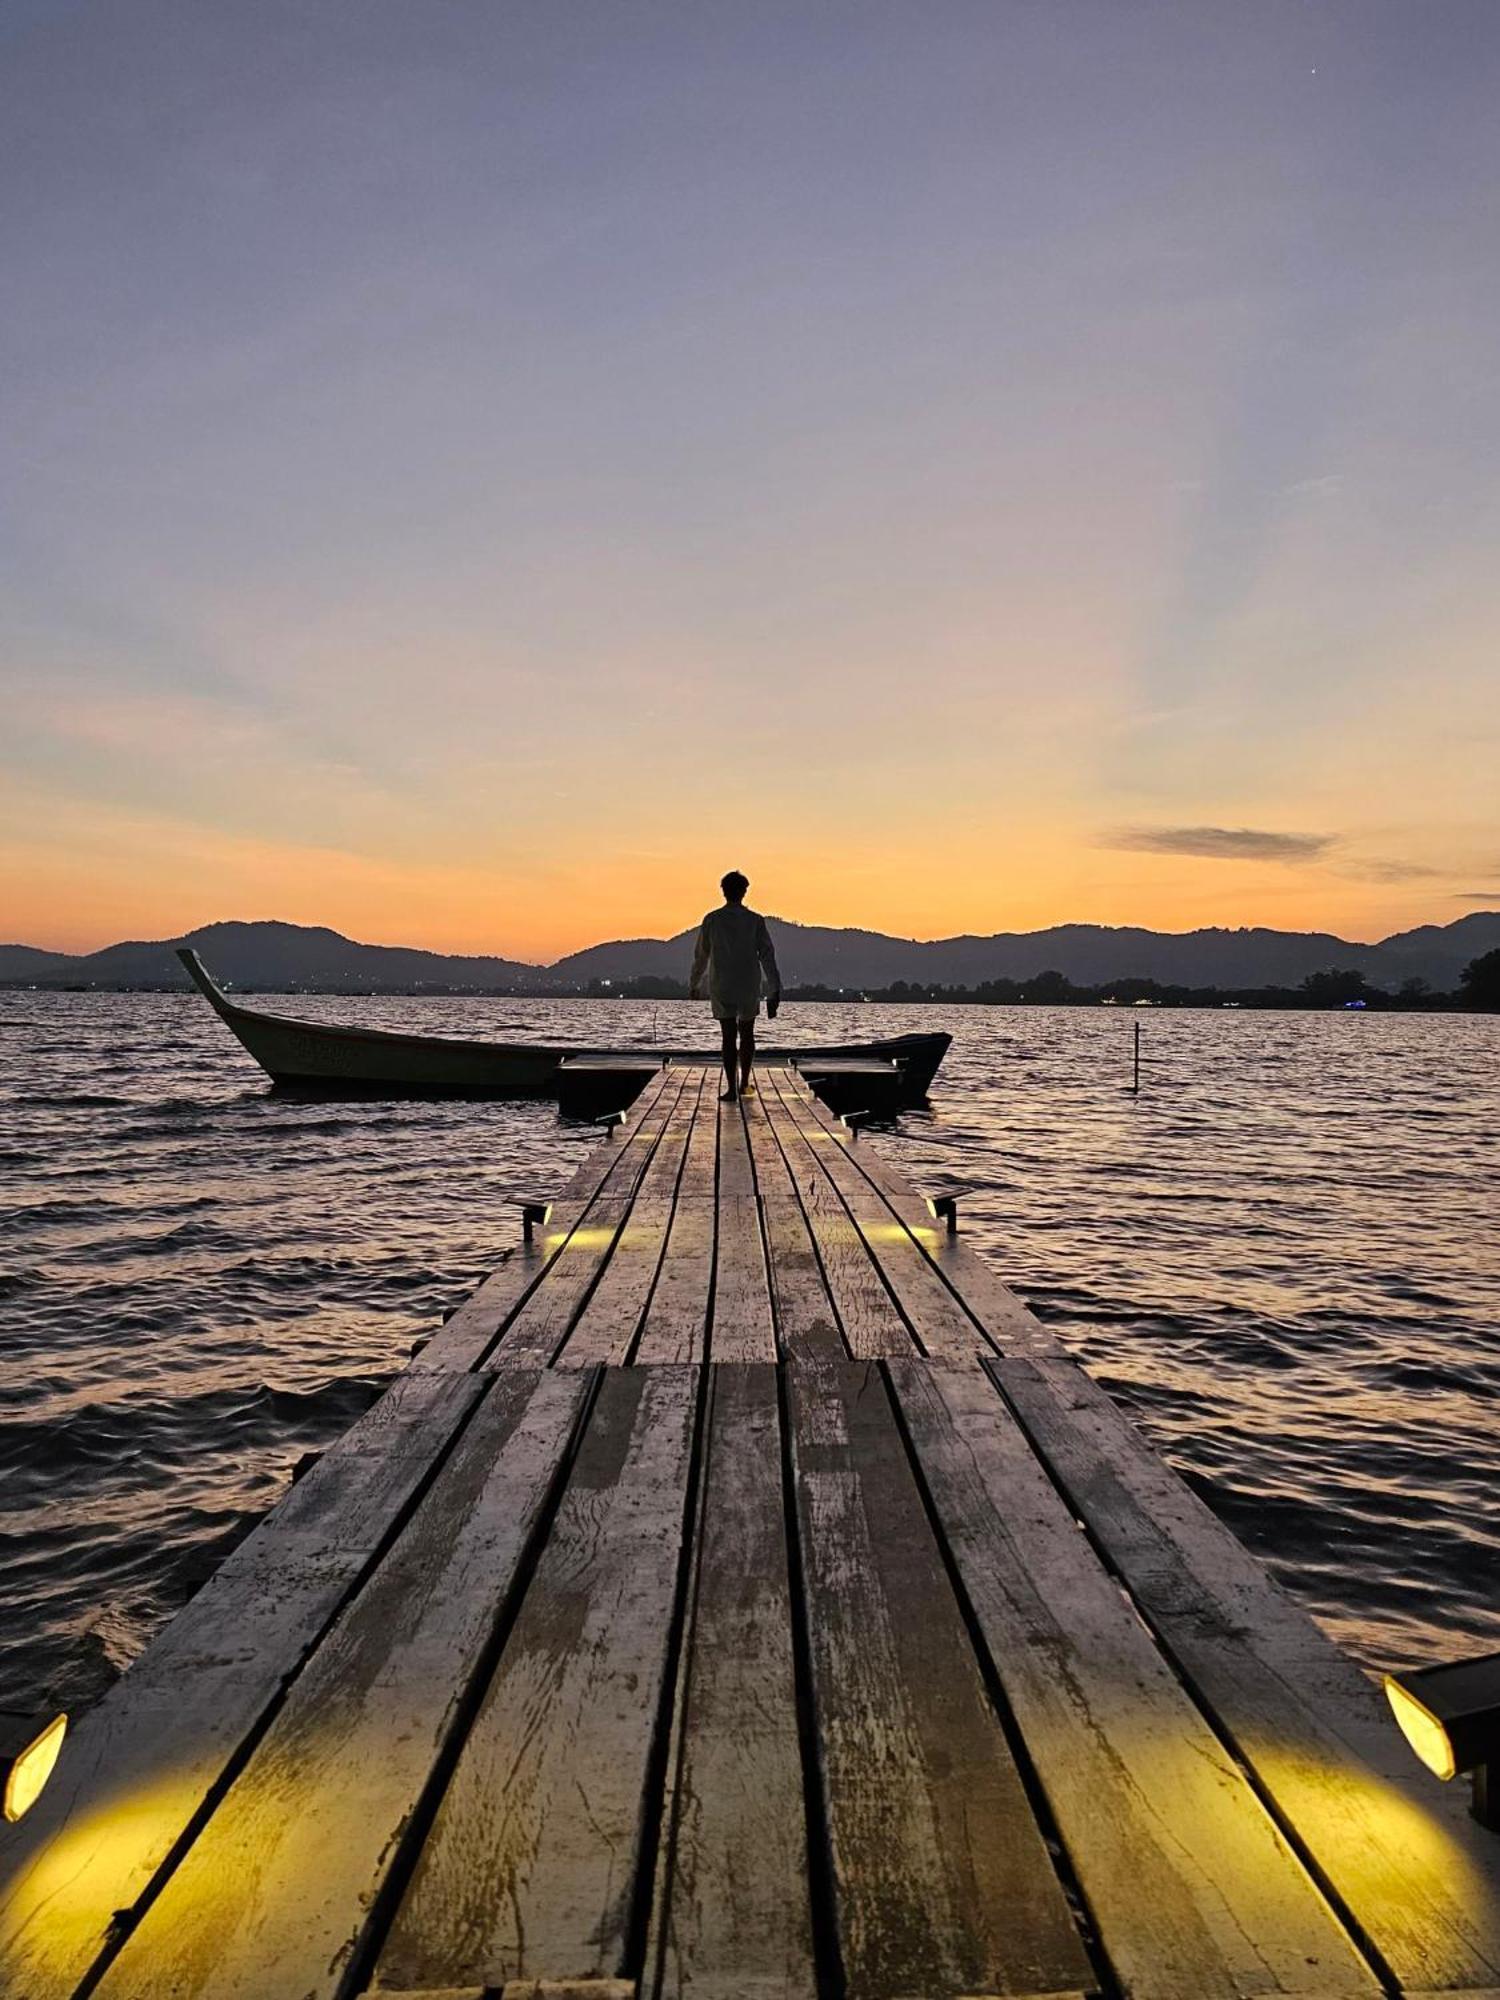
(765, 951)
(700, 962)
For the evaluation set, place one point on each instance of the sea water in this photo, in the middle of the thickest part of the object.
(1281, 1256)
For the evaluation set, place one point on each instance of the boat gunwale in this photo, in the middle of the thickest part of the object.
(233, 1014)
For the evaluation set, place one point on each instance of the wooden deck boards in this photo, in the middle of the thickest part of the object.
(743, 1596)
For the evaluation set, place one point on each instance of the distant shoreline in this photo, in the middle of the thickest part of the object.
(1340, 993)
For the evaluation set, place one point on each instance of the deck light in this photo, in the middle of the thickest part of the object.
(534, 1215)
(854, 1119)
(942, 1199)
(27, 1754)
(611, 1121)
(1450, 1716)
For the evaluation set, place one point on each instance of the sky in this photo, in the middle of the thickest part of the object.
(477, 470)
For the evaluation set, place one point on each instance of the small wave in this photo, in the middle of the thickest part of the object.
(78, 1100)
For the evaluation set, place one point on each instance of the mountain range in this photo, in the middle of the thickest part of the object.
(277, 957)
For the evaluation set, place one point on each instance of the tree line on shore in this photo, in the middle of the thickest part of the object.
(1337, 987)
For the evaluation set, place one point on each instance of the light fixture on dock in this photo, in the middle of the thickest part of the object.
(942, 1198)
(854, 1119)
(1450, 1716)
(534, 1215)
(28, 1750)
(611, 1121)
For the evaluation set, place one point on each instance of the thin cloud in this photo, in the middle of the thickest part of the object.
(1392, 871)
(1476, 896)
(1220, 843)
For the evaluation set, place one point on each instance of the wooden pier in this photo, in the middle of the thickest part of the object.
(742, 1597)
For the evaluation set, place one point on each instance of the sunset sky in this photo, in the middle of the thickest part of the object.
(473, 472)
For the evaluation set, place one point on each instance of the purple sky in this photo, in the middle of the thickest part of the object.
(475, 471)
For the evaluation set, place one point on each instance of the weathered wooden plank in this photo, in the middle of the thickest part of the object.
(531, 1863)
(744, 1324)
(806, 1320)
(1400, 1850)
(732, 1918)
(536, 1331)
(468, 1333)
(274, 1894)
(943, 1883)
(736, 1168)
(606, 1330)
(871, 1323)
(926, 1303)
(1194, 1890)
(466, 1337)
(140, 1766)
(675, 1325)
(1009, 1325)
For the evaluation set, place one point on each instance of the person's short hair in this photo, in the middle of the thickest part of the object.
(734, 885)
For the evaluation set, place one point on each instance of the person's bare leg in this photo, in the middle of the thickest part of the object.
(747, 1053)
(727, 1029)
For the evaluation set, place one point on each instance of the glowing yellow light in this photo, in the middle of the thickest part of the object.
(1421, 1728)
(30, 1767)
(588, 1238)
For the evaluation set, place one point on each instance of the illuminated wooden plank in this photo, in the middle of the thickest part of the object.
(675, 1325)
(1419, 1876)
(925, 1302)
(607, 1327)
(1195, 1892)
(971, 1277)
(942, 1881)
(806, 1319)
(612, 1168)
(872, 1325)
(140, 1768)
(275, 1893)
(529, 1869)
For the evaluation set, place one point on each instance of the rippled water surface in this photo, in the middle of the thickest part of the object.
(1282, 1255)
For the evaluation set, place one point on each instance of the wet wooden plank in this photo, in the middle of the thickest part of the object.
(274, 1894)
(943, 1883)
(530, 1867)
(141, 1766)
(607, 1327)
(806, 1320)
(732, 1918)
(1196, 1894)
(926, 1303)
(675, 1325)
(1401, 1851)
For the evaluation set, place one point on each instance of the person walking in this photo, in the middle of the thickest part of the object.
(734, 949)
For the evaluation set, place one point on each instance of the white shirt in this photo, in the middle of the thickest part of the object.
(734, 948)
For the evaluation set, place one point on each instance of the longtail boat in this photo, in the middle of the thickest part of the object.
(308, 1055)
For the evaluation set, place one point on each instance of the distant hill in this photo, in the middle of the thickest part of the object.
(277, 957)
(1087, 954)
(24, 961)
(270, 957)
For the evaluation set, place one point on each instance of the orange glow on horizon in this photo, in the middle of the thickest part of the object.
(146, 883)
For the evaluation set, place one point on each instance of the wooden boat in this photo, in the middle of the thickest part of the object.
(376, 1061)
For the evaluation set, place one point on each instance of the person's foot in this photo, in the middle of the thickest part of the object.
(728, 1096)
(746, 1087)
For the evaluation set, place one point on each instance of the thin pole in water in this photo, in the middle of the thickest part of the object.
(1135, 1085)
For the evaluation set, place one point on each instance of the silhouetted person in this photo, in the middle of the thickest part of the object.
(734, 949)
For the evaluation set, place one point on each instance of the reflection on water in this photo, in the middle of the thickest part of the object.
(1282, 1254)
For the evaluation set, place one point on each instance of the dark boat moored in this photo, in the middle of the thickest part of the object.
(376, 1061)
